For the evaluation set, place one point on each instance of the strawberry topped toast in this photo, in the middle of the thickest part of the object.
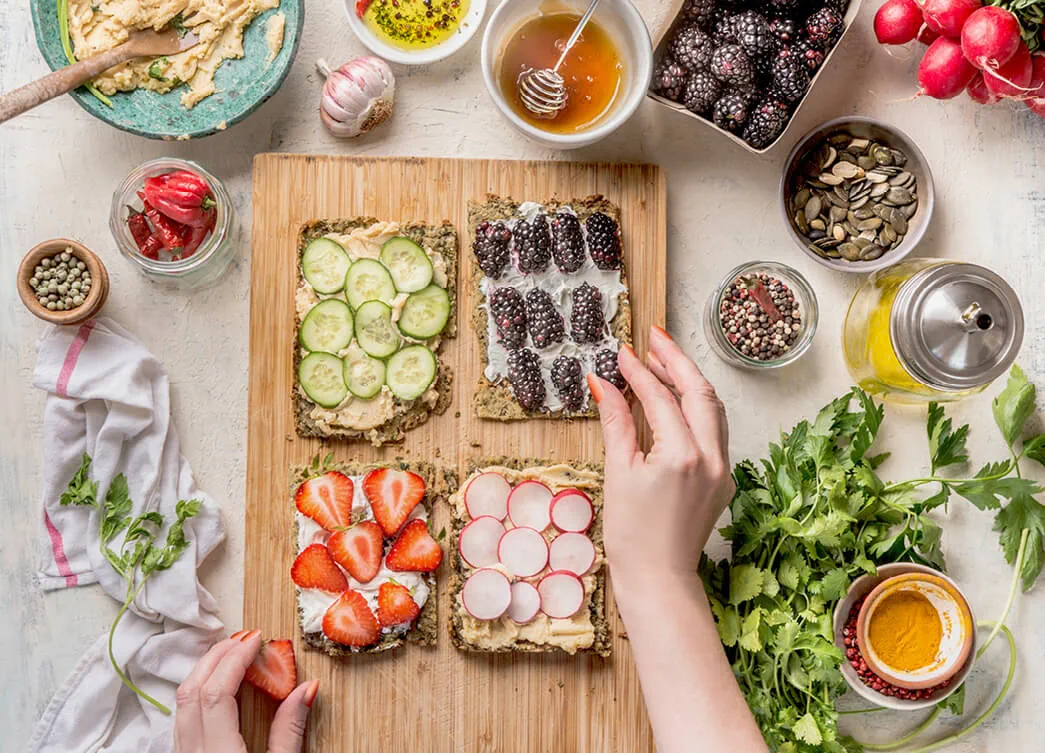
(528, 566)
(366, 562)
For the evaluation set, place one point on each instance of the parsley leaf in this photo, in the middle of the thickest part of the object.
(117, 509)
(946, 447)
(955, 702)
(745, 583)
(81, 489)
(807, 731)
(178, 23)
(156, 69)
(1023, 512)
(1014, 405)
(1034, 448)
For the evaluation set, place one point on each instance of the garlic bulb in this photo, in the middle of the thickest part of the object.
(357, 96)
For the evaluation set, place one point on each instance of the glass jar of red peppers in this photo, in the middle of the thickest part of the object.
(761, 316)
(174, 220)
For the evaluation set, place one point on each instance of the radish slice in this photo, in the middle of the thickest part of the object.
(479, 540)
(523, 551)
(562, 594)
(486, 594)
(526, 602)
(572, 552)
(529, 505)
(487, 494)
(572, 511)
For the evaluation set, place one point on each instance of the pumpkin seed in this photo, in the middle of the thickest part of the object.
(838, 232)
(802, 222)
(812, 208)
(872, 252)
(879, 190)
(830, 179)
(898, 222)
(863, 213)
(898, 196)
(849, 251)
(910, 209)
(859, 144)
(847, 170)
(836, 214)
(818, 224)
(872, 224)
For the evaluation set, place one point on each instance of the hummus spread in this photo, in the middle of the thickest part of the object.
(274, 31)
(571, 634)
(99, 25)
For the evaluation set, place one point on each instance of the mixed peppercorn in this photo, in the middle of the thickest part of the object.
(760, 316)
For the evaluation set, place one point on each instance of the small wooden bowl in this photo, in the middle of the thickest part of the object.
(95, 298)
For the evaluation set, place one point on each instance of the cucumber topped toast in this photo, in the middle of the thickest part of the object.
(375, 303)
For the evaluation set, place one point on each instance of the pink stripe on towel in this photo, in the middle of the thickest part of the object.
(59, 553)
(71, 357)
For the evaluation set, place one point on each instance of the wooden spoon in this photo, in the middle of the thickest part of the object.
(146, 43)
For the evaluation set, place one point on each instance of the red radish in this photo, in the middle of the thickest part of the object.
(479, 540)
(526, 602)
(487, 494)
(897, 21)
(562, 594)
(1011, 79)
(990, 37)
(572, 511)
(486, 594)
(978, 91)
(947, 17)
(1036, 97)
(523, 552)
(944, 72)
(572, 552)
(529, 505)
(927, 36)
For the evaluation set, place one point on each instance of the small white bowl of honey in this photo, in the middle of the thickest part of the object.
(606, 73)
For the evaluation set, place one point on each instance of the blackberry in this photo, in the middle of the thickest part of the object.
(533, 242)
(730, 111)
(702, 89)
(544, 322)
(669, 78)
(785, 7)
(692, 48)
(567, 242)
(491, 248)
(730, 65)
(587, 324)
(766, 122)
(825, 26)
(784, 29)
(606, 367)
(509, 314)
(603, 241)
(524, 375)
(568, 382)
(723, 32)
(753, 33)
(700, 12)
(811, 55)
(790, 78)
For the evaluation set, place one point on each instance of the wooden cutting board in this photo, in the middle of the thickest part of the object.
(418, 700)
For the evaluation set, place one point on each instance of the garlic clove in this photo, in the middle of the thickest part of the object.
(356, 97)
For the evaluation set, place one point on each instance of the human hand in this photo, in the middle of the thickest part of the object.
(207, 717)
(661, 506)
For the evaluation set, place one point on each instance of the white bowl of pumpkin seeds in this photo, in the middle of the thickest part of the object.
(857, 194)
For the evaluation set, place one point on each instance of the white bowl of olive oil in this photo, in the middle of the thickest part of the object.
(606, 73)
(414, 32)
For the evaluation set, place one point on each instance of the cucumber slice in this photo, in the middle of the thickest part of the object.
(409, 265)
(364, 375)
(324, 264)
(411, 371)
(368, 280)
(320, 375)
(425, 313)
(327, 327)
(374, 329)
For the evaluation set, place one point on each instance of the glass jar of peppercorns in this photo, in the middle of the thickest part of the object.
(762, 316)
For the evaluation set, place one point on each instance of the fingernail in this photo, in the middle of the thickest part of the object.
(249, 636)
(628, 348)
(662, 332)
(237, 635)
(651, 356)
(310, 693)
(595, 387)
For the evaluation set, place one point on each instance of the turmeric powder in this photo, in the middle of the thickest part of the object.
(905, 631)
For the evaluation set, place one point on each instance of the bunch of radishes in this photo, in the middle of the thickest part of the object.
(972, 47)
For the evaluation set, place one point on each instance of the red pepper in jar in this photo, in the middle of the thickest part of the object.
(149, 244)
(170, 232)
(181, 196)
(198, 234)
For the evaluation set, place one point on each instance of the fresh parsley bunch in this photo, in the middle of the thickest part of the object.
(139, 555)
(815, 515)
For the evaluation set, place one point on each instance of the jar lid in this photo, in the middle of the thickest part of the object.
(956, 326)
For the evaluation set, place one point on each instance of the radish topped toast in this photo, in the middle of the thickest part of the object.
(365, 566)
(527, 561)
(553, 304)
(374, 307)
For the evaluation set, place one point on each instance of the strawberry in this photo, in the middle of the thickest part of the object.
(395, 605)
(350, 622)
(393, 495)
(315, 568)
(415, 550)
(358, 549)
(273, 669)
(327, 499)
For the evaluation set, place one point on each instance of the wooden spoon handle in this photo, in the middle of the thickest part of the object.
(61, 81)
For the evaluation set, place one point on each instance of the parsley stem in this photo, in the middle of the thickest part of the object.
(906, 738)
(871, 710)
(131, 596)
(1017, 567)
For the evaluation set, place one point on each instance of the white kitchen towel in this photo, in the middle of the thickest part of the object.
(107, 396)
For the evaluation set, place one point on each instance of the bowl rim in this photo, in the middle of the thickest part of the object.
(927, 201)
(636, 26)
(446, 48)
(96, 298)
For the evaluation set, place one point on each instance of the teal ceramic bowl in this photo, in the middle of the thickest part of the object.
(242, 85)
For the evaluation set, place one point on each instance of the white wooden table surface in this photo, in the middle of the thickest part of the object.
(58, 167)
